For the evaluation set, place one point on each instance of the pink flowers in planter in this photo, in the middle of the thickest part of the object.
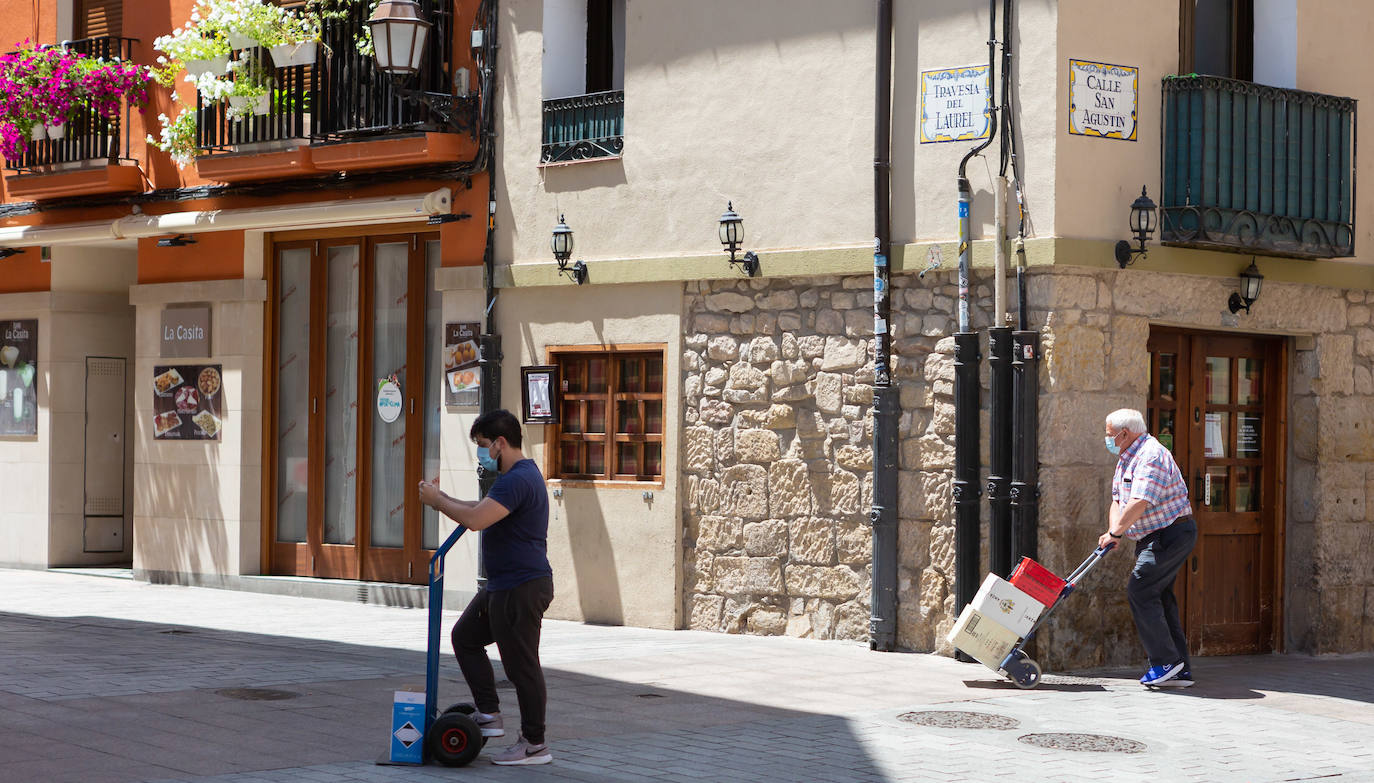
(53, 85)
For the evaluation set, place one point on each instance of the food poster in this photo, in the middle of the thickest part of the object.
(188, 402)
(19, 377)
(462, 373)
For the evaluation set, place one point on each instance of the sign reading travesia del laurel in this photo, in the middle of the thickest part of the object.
(956, 104)
(1103, 99)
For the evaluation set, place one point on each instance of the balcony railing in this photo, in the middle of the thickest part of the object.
(87, 136)
(584, 127)
(1257, 169)
(342, 95)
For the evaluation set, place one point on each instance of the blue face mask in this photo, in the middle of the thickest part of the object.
(486, 461)
(1111, 445)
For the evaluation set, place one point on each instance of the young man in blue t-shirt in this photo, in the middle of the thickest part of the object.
(514, 520)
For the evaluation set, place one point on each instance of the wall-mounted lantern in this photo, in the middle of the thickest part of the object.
(732, 235)
(1250, 282)
(562, 245)
(1142, 226)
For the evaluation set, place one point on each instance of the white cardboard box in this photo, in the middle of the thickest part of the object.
(982, 638)
(1004, 602)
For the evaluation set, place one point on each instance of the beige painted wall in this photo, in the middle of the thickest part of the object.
(463, 301)
(615, 555)
(197, 504)
(24, 467)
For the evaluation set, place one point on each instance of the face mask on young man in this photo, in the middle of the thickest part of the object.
(488, 462)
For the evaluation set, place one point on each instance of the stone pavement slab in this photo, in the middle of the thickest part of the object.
(120, 681)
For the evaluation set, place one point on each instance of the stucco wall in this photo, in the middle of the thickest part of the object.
(614, 554)
(197, 504)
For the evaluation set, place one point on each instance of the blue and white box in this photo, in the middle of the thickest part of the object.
(408, 728)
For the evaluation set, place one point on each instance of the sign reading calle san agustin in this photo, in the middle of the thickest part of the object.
(1103, 100)
(956, 104)
(185, 332)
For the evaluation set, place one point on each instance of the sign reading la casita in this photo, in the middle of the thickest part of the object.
(956, 104)
(1103, 100)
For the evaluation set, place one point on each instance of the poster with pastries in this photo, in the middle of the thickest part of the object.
(188, 402)
(19, 377)
(462, 367)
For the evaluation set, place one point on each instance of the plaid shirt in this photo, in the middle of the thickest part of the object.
(1147, 470)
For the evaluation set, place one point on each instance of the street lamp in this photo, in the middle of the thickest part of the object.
(1142, 225)
(732, 235)
(1250, 282)
(562, 245)
(399, 35)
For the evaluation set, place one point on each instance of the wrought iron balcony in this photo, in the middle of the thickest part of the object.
(584, 127)
(343, 95)
(88, 137)
(1257, 169)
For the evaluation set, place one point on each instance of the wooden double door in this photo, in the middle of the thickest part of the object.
(348, 315)
(1218, 402)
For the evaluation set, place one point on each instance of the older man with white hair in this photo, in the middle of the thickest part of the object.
(1150, 506)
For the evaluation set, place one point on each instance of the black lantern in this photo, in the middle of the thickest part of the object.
(1142, 225)
(398, 36)
(732, 235)
(1250, 282)
(562, 246)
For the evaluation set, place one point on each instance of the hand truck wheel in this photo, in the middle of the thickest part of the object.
(1026, 673)
(454, 739)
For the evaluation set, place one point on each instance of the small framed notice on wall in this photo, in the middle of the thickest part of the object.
(539, 394)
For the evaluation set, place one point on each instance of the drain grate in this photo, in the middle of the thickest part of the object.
(953, 719)
(1090, 743)
(257, 694)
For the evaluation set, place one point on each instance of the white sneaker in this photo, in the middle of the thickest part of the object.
(522, 752)
(490, 724)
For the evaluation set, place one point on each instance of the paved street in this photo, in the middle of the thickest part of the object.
(106, 679)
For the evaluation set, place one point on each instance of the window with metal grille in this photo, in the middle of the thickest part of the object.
(611, 423)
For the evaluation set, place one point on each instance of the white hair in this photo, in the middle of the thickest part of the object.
(1127, 419)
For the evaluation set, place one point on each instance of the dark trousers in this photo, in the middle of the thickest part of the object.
(1158, 556)
(512, 619)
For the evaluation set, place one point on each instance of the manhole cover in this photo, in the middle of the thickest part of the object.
(1092, 743)
(952, 719)
(257, 694)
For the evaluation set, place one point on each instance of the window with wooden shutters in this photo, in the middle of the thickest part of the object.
(99, 18)
(611, 425)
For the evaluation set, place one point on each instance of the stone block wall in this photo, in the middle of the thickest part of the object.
(778, 433)
(777, 456)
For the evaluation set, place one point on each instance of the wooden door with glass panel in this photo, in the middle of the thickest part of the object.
(1217, 402)
(350, 314)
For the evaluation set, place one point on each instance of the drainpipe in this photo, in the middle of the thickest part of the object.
(489, 342)
(967, 536)
(999, 346)
(886, 397)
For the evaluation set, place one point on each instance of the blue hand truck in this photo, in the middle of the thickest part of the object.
(1022, 669)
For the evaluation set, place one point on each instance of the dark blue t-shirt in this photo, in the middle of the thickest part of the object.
(516, 549)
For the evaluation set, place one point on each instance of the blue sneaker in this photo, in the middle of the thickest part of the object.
(1158, 675)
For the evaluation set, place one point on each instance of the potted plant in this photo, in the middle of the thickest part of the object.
(344, 11)
(245, 23)
(178, 137)
(295, 42)
(251, 90)
(198, 50)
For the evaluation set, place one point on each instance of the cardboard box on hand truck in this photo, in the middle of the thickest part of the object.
(1008, 605)
(982, 638)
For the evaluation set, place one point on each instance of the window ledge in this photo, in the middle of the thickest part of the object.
(580, 161)
(603, 484)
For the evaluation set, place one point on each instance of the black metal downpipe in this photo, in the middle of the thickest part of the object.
(489, 343)
(1000, 547)
(1025, 480)
(887, 400)
(967, 488)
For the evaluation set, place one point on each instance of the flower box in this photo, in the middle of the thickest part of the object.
(214, 65)
(286, 55)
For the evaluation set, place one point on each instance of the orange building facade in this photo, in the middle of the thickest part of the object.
(196, 393)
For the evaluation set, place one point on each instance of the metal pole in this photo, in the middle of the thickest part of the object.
(1025, 481)
(1000, 545)
(887, 402)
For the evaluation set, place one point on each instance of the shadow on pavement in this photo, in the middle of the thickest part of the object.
(93, 698)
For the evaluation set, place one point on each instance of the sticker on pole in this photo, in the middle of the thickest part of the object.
(389, 399)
